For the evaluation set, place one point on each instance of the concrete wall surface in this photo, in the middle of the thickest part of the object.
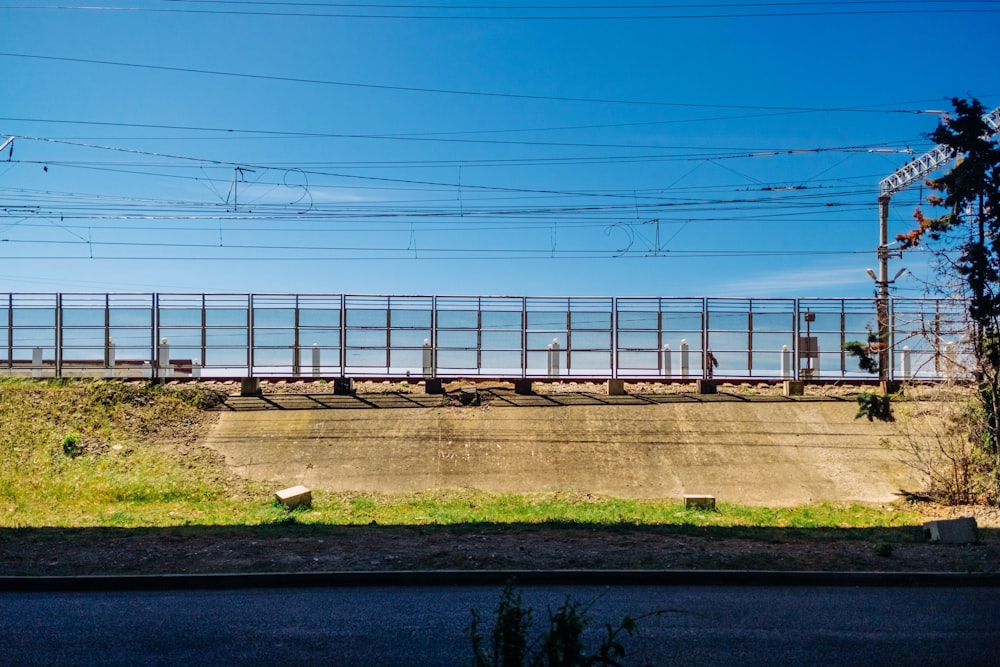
(764, 453)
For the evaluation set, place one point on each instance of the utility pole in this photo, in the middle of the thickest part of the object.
(899, 180)
(882, 300)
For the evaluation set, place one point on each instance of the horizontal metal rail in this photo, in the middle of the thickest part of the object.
(168, 335)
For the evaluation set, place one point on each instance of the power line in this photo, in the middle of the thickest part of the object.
(607, 13)
(234, 133)
(244, 75)
(378, 179)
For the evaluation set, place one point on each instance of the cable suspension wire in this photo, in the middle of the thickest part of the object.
(446, 91)
(671, 12)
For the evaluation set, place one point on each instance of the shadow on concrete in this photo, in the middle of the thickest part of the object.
(497, 398)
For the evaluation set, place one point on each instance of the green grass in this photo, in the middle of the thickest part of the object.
(477, 509)
(114, 454)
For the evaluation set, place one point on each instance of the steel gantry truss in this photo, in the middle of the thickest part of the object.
(912, 172)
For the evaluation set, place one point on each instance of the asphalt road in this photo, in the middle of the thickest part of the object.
(704, 625)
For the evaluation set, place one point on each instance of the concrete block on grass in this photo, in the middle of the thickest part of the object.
(706, 387)
(616, 387)
(523, 388)
(295, 496)
(698, 501)
(433, 386)
(952, 531)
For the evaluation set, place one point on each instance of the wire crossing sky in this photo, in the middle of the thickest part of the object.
(642, 149)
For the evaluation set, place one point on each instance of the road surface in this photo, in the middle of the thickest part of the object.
(705, 625)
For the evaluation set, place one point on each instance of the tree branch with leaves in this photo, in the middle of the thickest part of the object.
(966, 236)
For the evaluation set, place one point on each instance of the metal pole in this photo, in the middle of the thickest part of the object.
(59, 335)
(250, 335)
(108, 354)
(882, 300)
(154, 330)
(297, 342)
(10, 331)
(204, 333)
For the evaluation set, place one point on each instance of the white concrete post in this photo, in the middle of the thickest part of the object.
(949, 361)
(315, 360)
(904, 362)
(786, 363)
(428, 359)
(554, 358)
(164, 358)
(36, 362)
(666, 360)
(685, 358)
(196, 368)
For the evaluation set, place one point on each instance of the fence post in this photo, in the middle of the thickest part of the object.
(296, 360)
(904, 362)
(786, 363)
(667, 372)
(163, 358)
(36, 362)
(949, 361)
(685, 358)
(315, 360)
(553, 349)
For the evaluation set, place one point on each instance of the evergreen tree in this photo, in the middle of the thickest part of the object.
(966, 236)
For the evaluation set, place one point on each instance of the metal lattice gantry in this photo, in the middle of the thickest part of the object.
(912, 172)
(929, 162)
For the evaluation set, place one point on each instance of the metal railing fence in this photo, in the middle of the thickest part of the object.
(326, 335)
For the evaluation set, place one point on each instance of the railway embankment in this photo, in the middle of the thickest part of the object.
(740, 447)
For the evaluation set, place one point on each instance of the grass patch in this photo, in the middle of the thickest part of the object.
(481, 511)
(111, 454)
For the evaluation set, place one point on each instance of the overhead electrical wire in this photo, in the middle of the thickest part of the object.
(770, 200)
(446, 91)
(443, 251)
(607, 13)
(365, 178)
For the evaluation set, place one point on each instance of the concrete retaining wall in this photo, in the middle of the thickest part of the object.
(766, 453)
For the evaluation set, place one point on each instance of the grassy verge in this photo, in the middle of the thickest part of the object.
(113, 454)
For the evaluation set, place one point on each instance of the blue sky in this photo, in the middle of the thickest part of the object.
(471, 148)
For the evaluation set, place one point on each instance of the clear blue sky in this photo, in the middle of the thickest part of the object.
(470, 148)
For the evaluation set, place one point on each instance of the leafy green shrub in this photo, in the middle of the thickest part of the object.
(874, 406)
(71, 445)
(120, 393)
(200, 397)
(559, 645)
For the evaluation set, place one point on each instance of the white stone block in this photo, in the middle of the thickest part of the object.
(294, 496)
(952, 531)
